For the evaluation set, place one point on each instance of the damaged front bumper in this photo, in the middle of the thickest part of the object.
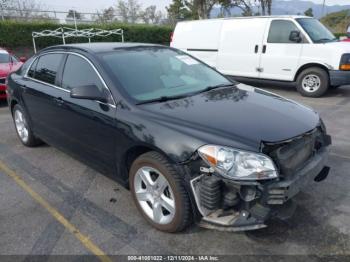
(245, 205)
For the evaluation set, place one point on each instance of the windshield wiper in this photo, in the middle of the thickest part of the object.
(208, 88)
(167, 98)
(325, 40)
(161, 99)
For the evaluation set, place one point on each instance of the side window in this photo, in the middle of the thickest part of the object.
(280, 31)
(14, 59)
(47, 67)
(31, 71)
(78, 72)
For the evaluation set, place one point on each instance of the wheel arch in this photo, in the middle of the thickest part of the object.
(132, 153)
(12, 104)
(309, 65)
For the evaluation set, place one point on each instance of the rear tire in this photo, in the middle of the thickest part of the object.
(23, 127)
(313, 82)
(156, 186)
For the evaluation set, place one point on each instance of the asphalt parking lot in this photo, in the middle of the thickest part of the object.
(83, 205)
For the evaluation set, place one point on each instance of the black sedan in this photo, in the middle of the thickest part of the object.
(191, 145)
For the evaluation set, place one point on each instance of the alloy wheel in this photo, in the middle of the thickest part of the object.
(154, 195)
(21, 126)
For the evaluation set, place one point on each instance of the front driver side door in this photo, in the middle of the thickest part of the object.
(87, 126)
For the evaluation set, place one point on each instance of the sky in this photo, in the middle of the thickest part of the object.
(93, 5)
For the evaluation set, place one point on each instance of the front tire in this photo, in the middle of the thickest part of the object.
(313, 82)
(159, 193)
(23, 127)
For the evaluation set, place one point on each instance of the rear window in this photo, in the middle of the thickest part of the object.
(4, 58)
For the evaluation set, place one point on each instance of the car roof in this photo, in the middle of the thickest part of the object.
(3, 51)
(248, 17)
(97, 47)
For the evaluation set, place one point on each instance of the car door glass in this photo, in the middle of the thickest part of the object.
(280, 31)
(31, 71)
(47, 67)
(78, 72)
(4, 58)
(14, 59)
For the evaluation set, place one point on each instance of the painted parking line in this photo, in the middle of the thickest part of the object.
(56, 214)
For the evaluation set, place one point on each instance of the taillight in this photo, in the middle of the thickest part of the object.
(171, 37)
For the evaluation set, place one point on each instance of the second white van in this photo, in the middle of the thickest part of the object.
(292, 50)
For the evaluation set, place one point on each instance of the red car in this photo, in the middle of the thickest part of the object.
(8, 64)
(346, 40)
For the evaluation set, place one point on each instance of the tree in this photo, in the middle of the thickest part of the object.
(73, 14)
(108, 15)
(150, 15)
(23, 9)
(181, 10)
(266, 6)
(309, 12)
(129, 10)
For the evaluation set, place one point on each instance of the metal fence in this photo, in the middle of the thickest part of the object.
(71, 17)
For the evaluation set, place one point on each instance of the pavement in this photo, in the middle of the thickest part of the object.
(51, 204)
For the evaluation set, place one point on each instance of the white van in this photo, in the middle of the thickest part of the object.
(294, 50)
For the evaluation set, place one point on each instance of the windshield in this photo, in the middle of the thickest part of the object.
(317, 31)
(150, 73)
(4, 58)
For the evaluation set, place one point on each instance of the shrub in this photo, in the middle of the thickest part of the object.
(19, 34)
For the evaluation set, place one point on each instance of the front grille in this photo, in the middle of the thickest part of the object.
(293, 155)
(2, 81)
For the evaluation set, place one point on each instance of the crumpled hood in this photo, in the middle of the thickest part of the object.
(252, 116)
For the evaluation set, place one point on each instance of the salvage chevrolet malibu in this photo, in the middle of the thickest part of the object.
(191, 145)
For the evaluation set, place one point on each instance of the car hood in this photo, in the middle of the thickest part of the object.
(342, 47)
(249, 115)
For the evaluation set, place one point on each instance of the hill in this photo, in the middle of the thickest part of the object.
(337, 21)
(294, 7)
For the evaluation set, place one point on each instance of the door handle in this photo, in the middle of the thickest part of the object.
(264, 49)
(256, 49)
(59, 101)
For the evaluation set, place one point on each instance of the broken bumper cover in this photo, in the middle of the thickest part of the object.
(278, 193)
(271, 198)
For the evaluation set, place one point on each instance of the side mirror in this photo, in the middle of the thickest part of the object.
(294, 36)
(90, 92)
(23, 59)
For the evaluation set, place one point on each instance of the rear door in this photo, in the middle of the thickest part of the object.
(41, 94)
(240, 46)
(280, 57)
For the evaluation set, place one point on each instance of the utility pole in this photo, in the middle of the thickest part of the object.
(2, 7)
(323, 6)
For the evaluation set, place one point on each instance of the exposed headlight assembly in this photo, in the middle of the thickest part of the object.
(238, 164)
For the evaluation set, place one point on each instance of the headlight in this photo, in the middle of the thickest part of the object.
(237, 164)
(345, 62)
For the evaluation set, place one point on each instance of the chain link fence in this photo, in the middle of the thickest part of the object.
(73, 17)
